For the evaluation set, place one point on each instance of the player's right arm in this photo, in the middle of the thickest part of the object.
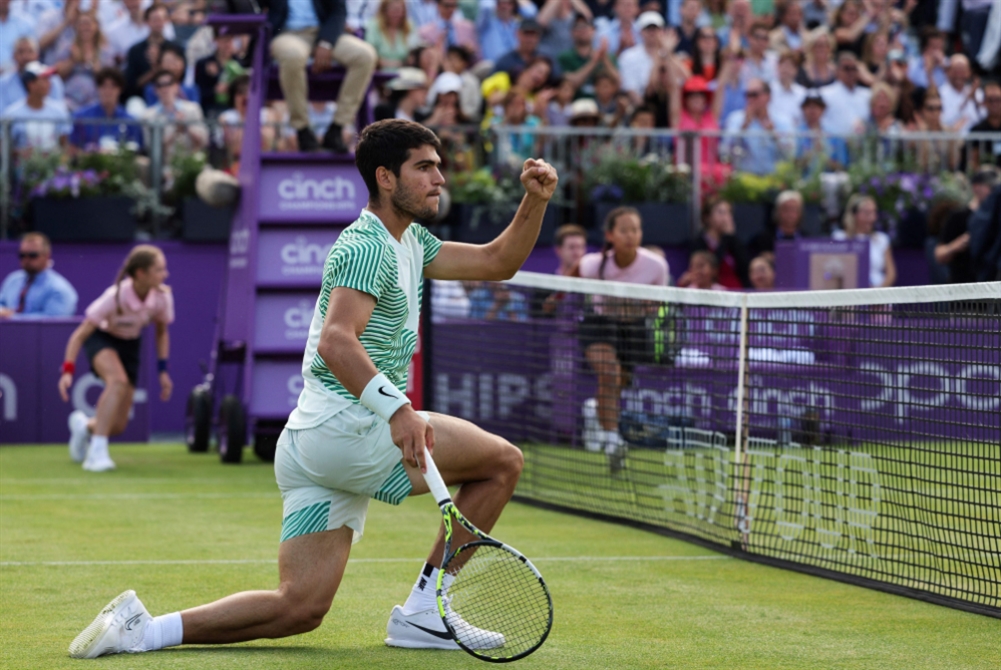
(82, 332)
(340, 347)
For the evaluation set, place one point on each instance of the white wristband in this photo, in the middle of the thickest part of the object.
(382, 397)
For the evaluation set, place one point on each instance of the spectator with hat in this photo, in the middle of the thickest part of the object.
(693, 109)
(586, 59)
(408, 93)
(557, 18)
(36, 290)
(655, 48)
(11, 88)
(497, 25)
(42, 124)
(527, 50)
(816, 148)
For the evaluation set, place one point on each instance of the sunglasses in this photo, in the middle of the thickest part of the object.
(28, 255)
(991, 100)
(933, 108)
(752, 94)
(849, 68)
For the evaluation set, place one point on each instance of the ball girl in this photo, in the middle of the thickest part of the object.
(110, 334)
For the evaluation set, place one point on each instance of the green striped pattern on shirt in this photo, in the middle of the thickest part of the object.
(363, 258)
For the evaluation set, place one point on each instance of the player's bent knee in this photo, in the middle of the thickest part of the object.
(304, 612)
(510, 462)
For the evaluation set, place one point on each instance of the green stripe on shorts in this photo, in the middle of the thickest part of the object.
(312, 519)
(396, 487)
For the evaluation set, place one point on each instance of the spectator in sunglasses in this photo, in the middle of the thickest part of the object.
(36, 290)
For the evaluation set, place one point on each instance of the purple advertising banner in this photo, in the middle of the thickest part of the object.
(276, 388)
(293, 258)
(30, 407)
(329, 194)
(821, 265)
(281, 322)
(863, 383)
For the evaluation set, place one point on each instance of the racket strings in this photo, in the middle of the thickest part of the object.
(496, 604)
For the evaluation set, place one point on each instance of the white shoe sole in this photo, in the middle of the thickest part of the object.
(88, 643)
(100, 466)
(444, 645)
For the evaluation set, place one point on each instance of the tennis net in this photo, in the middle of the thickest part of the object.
(851, 434)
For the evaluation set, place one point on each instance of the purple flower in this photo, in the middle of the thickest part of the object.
(928, 192)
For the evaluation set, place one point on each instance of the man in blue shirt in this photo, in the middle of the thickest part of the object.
(36, 290)
(755, 140)
(497, 26)
(11, 88)
(110, 84)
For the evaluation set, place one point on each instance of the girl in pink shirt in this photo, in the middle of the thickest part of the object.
(110, 334)
(614, 332)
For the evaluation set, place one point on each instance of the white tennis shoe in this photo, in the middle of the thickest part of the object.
(425, 630)
(78, 436)
(98, 463)
(119, 628)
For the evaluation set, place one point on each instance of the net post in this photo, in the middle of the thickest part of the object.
(741, 478)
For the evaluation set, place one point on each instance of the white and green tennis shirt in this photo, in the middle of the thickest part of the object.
(366, 257)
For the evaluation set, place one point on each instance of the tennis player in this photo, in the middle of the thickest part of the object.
(614, 333)
(354, 435)
(110, 334)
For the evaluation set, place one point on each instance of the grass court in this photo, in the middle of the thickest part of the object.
(182, 530)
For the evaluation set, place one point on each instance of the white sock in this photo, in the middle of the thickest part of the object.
(163, 631)
(612, 441)
(98, 446)
(422, 596)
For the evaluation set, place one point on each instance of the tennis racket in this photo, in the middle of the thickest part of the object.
(491, 598)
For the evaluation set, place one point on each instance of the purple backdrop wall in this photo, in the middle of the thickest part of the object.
(196, 277)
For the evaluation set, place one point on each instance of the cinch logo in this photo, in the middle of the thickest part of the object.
(297, 320)
(297, 187)
(8, 398)
(301, 252)
(239, 244)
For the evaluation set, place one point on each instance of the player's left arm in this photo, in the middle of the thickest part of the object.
(504, 256)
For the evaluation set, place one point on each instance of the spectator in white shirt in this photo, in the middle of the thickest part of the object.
(635, 62)
(189, 133)
(759, 62)
(787, 95)
(847, 102)
(962, 102)
(621, 32)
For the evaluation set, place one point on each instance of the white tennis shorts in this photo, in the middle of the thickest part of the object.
(328, 473)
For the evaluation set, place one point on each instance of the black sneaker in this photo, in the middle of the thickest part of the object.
(333, 139)
(307, 140)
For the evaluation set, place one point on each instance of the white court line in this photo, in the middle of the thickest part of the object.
(132, 496)
(118, 479)
(271, 561)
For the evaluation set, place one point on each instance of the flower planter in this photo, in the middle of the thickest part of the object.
(664, 223)
(91, 219)
(479, 224)
(203, 223)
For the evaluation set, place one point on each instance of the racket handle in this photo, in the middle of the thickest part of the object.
(435, 483)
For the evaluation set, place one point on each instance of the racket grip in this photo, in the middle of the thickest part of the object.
(435, 483)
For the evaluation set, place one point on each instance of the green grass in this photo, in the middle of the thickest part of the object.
(671, 604)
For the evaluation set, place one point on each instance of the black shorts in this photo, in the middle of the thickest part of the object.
(628, 338)
(127, 350)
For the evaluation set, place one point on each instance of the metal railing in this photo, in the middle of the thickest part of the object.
(690, 165)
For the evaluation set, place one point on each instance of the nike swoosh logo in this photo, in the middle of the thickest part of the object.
(388, 395)
(438, 634)
(131, 622)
